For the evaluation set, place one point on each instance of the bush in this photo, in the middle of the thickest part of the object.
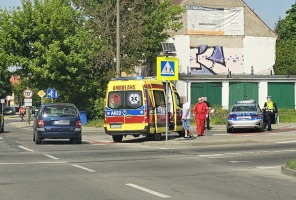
(219, 116)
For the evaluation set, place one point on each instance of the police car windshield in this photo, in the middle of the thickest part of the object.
(244, 108)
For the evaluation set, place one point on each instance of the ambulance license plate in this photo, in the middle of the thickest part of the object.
(115, 126)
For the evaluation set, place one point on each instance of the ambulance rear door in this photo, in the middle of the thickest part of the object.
(160, 110)
(177, 109)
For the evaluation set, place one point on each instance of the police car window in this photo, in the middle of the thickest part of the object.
(133, 99)
(115, 100)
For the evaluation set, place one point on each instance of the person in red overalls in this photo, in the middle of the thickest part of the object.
(199, 111)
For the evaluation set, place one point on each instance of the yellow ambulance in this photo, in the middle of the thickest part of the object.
(137, 106)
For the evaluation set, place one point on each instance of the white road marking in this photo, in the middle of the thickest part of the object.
(148, 191)
(1, 138)
(239, 161)
(32, 163)
(223, 134)
(211, 155)
(286, 142)
(84, 168)
(26, 148)
(52, 157)
(269, 167)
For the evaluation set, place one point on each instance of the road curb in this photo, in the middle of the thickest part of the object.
(287, 171)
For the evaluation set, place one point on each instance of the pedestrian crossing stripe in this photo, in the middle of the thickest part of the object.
(167, 68)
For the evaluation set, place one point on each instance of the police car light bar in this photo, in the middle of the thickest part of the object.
(245, 101)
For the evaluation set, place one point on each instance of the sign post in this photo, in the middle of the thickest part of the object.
(167, 69)
(28, 94)
(2, 102)
(41, 94)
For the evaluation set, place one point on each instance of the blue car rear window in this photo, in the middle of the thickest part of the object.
(59, 111)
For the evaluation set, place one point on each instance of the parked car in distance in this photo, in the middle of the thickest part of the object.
(245, 114)
(57, 121)
(9, 111)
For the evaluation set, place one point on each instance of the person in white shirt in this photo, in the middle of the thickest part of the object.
(186, 118)
(161, 108)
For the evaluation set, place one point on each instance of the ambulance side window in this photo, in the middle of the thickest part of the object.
(133, 99)
(159, 97)
(115, 100)
(178, 100)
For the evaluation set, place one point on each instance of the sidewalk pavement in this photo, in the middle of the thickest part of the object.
(279, 126)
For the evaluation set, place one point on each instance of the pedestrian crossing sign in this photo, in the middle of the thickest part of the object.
(167, 68)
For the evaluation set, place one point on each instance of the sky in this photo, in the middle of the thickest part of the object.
(268, 10)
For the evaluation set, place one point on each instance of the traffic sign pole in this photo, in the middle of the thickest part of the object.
(28, 94)
(167, 69)
(166, 110)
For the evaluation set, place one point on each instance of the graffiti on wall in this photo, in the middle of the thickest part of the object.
(211, 60)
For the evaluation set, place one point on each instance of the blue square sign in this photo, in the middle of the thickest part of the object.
(52, 93)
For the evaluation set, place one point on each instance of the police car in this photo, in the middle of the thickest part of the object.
(245, 114)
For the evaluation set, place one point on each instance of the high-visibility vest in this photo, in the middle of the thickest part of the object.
(269, 105)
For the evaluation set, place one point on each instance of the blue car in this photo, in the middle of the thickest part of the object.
(245, 114)
(57, 121)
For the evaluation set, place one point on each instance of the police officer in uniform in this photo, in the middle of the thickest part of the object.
(268, 111)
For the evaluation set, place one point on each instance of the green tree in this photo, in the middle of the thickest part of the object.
(48, 42)
(286, 45)
(143, 26)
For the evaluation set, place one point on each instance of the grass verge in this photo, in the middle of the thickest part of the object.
(95, 123)
(291, 164)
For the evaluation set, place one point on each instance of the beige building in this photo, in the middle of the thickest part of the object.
(227, 53)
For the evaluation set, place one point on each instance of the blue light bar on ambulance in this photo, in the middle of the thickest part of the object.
(129, 78)
(245, 101)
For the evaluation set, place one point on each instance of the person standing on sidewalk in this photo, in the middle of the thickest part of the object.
(268, 111)
(186, 118)
(207, 120)
(199, 113)
(22, 112)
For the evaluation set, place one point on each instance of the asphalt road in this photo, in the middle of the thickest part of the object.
(207, 168)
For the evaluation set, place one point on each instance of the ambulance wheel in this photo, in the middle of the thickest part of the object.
(181, 133)
(117, 138)
(157, 136)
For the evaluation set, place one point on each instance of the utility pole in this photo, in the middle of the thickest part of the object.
(118, 38)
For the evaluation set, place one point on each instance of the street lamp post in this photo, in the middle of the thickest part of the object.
(117, 38)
